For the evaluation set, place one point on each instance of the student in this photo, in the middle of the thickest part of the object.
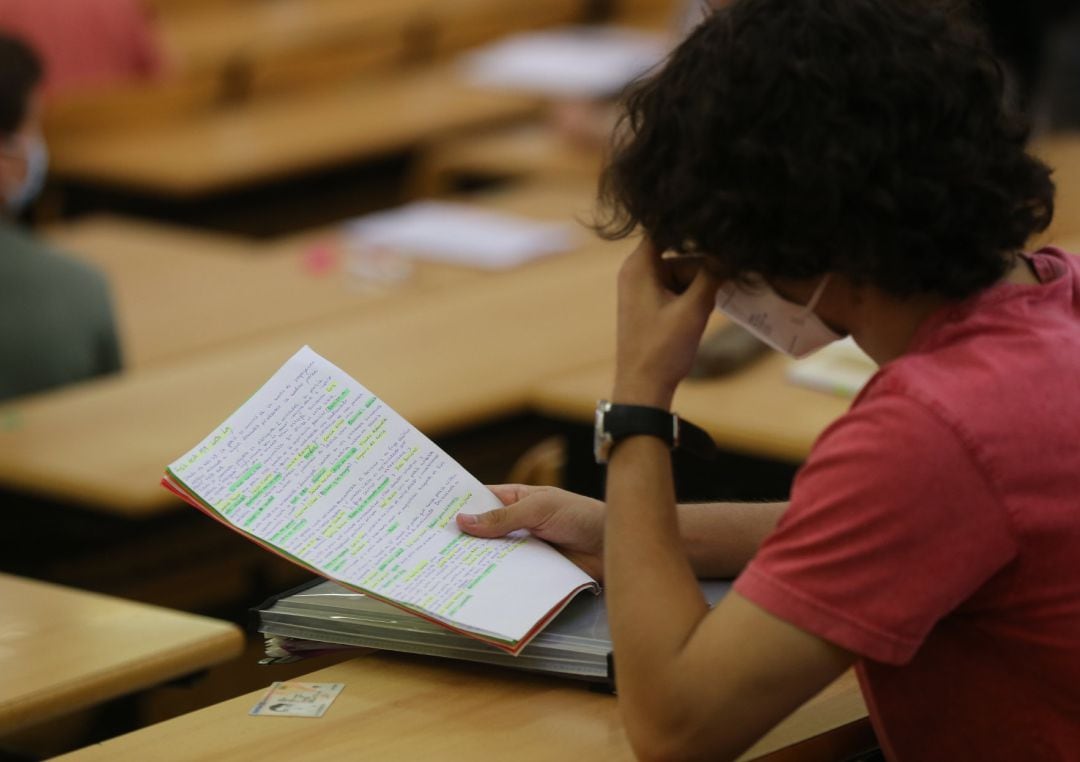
(86, 43)
(56, 322)
(844, 167)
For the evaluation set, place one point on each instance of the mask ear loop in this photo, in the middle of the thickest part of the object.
(818, 292)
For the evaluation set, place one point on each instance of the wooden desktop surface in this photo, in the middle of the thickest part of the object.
(402, 708)
(271, 138)
(220, 35)
(445, 360)
(62, 649)
(458, 24)
(754, 411)
(518, 151)
(179, 291)
(1070, 244)
(1062, 152)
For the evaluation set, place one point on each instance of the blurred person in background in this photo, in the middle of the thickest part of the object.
(56, 319)
(1021, 34)
(1057, 101)
(86, 44)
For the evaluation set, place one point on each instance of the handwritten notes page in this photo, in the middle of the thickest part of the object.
(319, 468)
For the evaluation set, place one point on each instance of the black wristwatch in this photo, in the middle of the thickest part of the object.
(617, 422)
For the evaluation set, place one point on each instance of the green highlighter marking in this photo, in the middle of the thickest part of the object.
(483, 574)
(369, 499)
(338, 400)
(247, 475)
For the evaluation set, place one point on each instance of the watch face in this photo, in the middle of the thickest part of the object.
(602, 440)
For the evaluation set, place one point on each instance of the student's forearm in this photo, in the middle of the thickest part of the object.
(676, 676)
(721, 538)
(646, 571)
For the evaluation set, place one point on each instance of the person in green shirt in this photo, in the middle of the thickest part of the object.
(56, 317)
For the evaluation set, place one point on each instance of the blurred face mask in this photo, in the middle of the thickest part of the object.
(36, 155)
(787, 327)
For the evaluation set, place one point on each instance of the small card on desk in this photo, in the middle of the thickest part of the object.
(291, 699)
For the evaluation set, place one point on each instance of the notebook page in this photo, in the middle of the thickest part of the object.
(318, 466)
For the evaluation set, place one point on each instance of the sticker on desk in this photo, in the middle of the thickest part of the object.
(290, 699)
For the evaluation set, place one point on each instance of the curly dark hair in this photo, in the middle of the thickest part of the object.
(790, 138)
(20, 72)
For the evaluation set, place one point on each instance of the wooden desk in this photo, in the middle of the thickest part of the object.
(460, 24)
(216, 36)
(219, 36)
(658, 14)
(275, 137)
(1071, 245)
(1062, 153)
(179, 291)
(62, 649)
(399, 708)
(532, 150)
(445, 360)
(755, 411)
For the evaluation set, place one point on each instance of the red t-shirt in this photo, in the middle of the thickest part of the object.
(934, 531)
(85, 43)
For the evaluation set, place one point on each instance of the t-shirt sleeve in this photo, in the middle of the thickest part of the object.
(892, 525)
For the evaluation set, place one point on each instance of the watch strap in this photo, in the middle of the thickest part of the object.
(622, 421)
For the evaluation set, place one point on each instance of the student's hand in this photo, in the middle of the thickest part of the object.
(659, 327)
(572, 523)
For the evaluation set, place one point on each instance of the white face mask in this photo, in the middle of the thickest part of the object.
(36, 156)
(787, 327)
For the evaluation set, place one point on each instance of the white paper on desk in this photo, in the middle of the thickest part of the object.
(577, 62)
(460, 234)
(841, 368)
(316, 465)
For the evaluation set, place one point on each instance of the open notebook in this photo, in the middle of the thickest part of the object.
(320, 470)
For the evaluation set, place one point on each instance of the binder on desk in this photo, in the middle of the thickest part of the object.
(322, 615)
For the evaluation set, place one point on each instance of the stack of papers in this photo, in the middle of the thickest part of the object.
(322, 615)
(459, 234)
(573, 62)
